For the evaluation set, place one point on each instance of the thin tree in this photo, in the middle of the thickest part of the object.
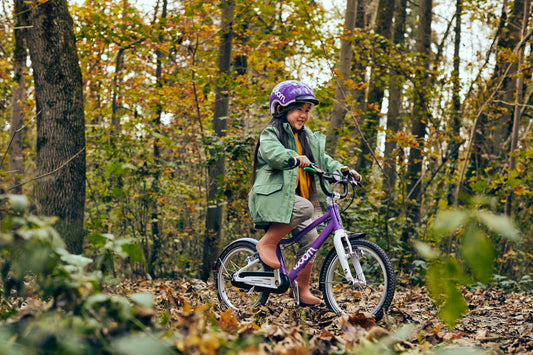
(60, 158)
(216, 164)
(492, 141)
(420, 107)
(341, 89)
(376, 89)
(395, 99)
(155, 229)
(455, 141)
(518, 102)
(16, 158)
(419, 125)
(393, 116)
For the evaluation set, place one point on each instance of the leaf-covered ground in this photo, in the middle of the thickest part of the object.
(497, 323)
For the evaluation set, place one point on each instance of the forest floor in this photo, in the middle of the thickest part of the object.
(498, 323)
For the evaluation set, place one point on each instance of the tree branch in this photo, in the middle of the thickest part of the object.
(522, 42)
(13, 137)
(49, 173)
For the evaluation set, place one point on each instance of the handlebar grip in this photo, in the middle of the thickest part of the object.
(293, 162)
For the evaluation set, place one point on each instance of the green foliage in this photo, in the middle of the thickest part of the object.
(443, 278)
(130, 190)
(65, 312)
(476, 232)
(107, 249)
(138, 201)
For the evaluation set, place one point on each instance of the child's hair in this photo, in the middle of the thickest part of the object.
(277, 122)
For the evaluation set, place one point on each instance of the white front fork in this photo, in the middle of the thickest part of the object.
(344, 255)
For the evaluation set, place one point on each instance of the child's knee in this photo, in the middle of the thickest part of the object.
(303, 210)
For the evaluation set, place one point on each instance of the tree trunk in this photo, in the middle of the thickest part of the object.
(395, 101)
(420, 107)
(115, 118)
(393, 121)
(242, 33)
(376, 89)
(16, 158)
(455, 140)
(60, 160)
(156, 237)
(492, 136)
(340, 107)
(420, 117)
(518, 103)
(216, 165)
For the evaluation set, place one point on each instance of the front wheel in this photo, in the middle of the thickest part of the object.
(236, 256)
(374, 297)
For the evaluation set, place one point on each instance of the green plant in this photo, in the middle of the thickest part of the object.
(66, 311)
(475, 232)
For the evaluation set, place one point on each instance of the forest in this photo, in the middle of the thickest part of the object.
(128, 131)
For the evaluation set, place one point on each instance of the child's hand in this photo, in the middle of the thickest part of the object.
(356, 175)
(352, 174)
(304, 161)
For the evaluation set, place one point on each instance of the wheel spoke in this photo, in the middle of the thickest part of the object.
(233, 259)
(372, 297)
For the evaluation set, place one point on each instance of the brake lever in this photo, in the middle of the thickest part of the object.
(316, 168)
(346, 172)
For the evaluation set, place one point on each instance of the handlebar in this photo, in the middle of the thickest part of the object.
(332, 178)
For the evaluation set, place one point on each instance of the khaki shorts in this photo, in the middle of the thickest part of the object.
(302, 216)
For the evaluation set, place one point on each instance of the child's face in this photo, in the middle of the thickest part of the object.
(299, 116)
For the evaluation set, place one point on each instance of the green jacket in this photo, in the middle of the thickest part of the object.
(271, 198)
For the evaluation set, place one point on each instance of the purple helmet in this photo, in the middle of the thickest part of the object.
(290, 91)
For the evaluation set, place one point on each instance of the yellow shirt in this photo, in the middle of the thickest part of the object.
(302, 181)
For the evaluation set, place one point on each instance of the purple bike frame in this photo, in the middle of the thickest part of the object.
(333, 225)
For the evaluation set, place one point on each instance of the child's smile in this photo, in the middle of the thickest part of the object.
(299, 116)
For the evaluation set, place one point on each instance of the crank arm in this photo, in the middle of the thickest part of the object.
(266, 279)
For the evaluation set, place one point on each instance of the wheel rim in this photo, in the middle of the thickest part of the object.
(234, 297)
(350, 299)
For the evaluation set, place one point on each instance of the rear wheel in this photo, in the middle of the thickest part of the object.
(374, 297)
(236, 256)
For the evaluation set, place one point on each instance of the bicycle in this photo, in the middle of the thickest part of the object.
(356, 274)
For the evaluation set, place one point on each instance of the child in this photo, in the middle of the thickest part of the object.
(284, 199)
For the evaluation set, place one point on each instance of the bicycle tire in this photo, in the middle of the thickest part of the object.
(233, 258)
(375, 297)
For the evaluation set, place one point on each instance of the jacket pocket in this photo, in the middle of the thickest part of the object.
(267, 189)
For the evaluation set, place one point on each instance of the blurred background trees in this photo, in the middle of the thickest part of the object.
(431, 103)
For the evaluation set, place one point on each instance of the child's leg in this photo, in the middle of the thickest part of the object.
(310, 237)
(266, 247)
(304, 287)
(307, 240)
(304, 277)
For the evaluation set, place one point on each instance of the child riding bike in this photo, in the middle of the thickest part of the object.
(283, 199)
